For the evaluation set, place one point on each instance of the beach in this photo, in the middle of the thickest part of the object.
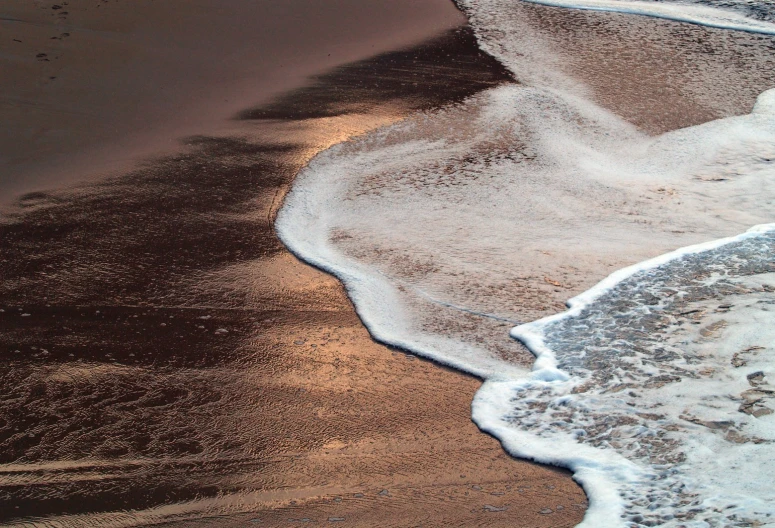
(89, 87)
(563, 227)
(360, 262)
(169, 362)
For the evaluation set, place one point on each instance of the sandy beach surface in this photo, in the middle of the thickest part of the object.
(90, 86)
(166, 360)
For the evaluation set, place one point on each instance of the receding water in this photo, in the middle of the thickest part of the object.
(453, 226)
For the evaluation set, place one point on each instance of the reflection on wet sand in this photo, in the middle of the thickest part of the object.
(169, 361)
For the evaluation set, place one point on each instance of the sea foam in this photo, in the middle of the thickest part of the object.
(754, 17)
(667, 364)
(453, 226)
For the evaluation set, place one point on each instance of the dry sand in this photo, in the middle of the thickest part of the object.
(89, 86)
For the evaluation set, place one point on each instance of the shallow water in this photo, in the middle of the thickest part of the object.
(451, 227)
(667, 365)
(740, 15)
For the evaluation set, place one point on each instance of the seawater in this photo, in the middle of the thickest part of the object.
(741, 15)
(655, 389)
(456, 226)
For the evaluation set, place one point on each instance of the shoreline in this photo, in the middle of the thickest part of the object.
(219, 378)
(380, 247)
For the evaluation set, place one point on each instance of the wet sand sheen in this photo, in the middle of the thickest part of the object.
(171, 362)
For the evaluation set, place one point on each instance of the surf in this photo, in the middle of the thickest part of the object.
(452, 225)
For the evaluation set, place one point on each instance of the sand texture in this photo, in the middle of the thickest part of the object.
(167, 361)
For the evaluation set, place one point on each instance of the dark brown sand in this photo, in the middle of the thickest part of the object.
(167, 361)
(87, 86)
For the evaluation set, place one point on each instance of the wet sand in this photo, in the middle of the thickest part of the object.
(659, 75)
(169, 362)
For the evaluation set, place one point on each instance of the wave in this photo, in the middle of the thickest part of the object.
(657, 395)
(415, 233)
(450, 227)
(737, 16)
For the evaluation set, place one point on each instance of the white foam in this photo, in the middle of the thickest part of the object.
(765, 104)
(724, 467)
(703, 15)
(532, 334)
(446, 227)
(601, 473)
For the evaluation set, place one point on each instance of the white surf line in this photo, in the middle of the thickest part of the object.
(684, 12)
(599, 472)
(531, 334)
(356, 282)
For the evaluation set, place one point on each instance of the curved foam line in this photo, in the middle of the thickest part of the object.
(309, 244)
(532, 335)
(594, 469)
(692, 14)
(597, 471)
